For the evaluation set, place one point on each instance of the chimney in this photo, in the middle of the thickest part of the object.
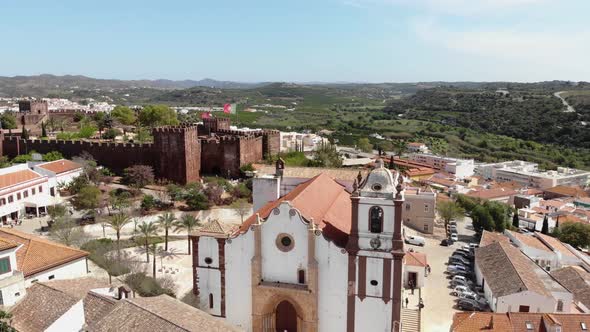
(123, 293)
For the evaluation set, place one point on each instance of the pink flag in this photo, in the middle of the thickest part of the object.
(227, 108)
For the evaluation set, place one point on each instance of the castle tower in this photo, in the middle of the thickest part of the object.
(375, 249)
(178, 153)
(213, 125)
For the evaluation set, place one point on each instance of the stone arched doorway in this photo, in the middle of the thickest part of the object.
(286, 317)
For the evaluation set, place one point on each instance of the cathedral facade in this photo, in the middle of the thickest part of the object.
(319, 258)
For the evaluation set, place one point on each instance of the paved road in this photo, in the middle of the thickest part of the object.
(437, 315)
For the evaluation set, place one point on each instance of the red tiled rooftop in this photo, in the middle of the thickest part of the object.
(14, 178)
(415, 259)
(320, 198)
(573, 191)
(60, 166)
(36, 254)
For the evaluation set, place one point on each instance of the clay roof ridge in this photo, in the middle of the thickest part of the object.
(501, 244)
(154, 313)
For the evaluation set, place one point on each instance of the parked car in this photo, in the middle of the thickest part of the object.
(470, 305)
(415, 240)
(461, 281)
(453, 228)
(87, 219)
(458, 290)
(454, 237)
(446, 242)
(456, 267)
(463, 253)
(459, 259)
(470, 296)
(452, 222)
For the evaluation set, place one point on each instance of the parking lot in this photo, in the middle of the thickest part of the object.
(439, 304)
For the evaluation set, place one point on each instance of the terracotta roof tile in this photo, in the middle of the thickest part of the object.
(576, 280)
(556, 244)
(37, 254)
(491, 237)
(14, 178)
(518, 321)
(60, 166)
(322, 199)
(159, 313)
(530, 241)
(491, 193)
(507, 270)
(573, 191)
(480, 321)
(6, 244)
(415, 259)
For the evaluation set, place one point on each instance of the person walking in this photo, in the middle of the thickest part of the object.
(407, 301)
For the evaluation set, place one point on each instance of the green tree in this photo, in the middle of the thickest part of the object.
(157, 115)
(242, 208)
(117, 222)
(197, 200)
(88, 198)
(8, 120)
(482, 220)
(43, 130)
(148, 230)
(124, 115)
(187, 222)
(386, 145)
(5, 318)
(449, 210)
(575, 233)
(65, 230)
(515, 220)
(326, 156)
(139, 176)
(400, 146)
(148, 202)
(166, 221)
(25, 133)
(365, 145)
(500, 213)
(56, 211)
(52, 156)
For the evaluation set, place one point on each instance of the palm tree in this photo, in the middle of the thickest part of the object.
(166, 220)
(187, 222)
(148, 230)
(400, 147)
(117, 222)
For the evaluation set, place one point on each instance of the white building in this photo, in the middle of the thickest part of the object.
(316, 259)
(60, 173)
(22, 191)
(461, 168)
(305, 142)
(512, 282)
(415, 147)
(528, 174)
(34, 259)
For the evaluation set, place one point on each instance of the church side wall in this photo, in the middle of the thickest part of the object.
(238, 280)
(333, 286)
(278, 265)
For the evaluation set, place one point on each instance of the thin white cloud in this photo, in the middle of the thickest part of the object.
(559, 53)
(455, 7)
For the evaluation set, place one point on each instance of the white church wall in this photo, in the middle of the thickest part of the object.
(372, 314)
(333, 285)
(208, 248)
(278, 265)
(210, 284)
(238, 280)
(374, 272)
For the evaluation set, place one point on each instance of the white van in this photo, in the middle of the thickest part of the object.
(415, 240)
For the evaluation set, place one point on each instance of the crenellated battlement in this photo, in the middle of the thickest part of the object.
(182, 128)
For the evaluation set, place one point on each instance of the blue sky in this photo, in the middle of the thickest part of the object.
(299, 40)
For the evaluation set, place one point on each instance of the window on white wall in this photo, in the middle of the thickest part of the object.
(210, 301)
(559, 306)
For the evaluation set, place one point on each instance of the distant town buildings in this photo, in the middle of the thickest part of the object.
(460, 168)
(528, 174)
(303, 142)
(416, 147)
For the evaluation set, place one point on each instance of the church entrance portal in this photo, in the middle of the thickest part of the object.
(286, 317)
